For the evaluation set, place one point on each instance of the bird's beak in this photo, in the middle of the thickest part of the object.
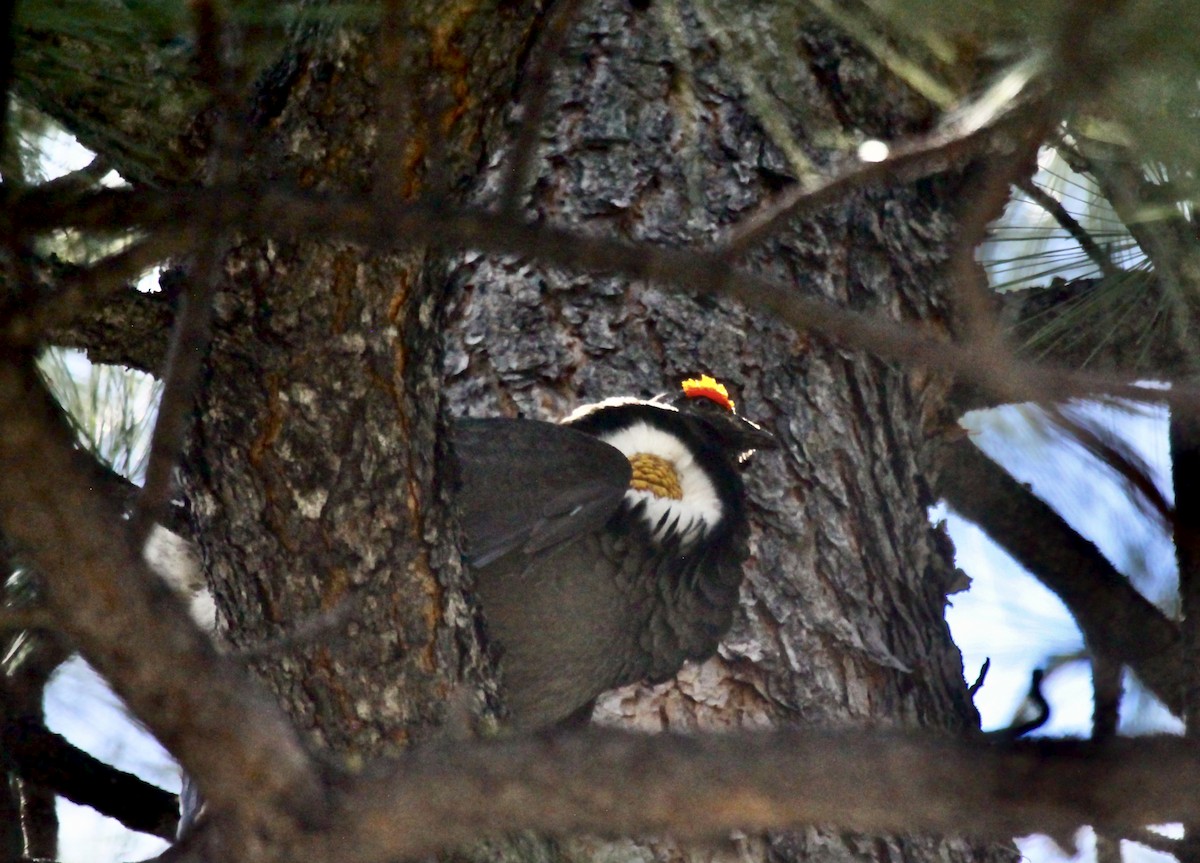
(747, 437)
(754, 436)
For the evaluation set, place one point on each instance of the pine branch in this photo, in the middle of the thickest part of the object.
(128, 328)
(1087, 323)
(613, 783)
(1111, 613)
(127, 623)
(47, 760)
(113, 79)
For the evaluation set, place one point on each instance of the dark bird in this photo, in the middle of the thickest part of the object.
(608, 548)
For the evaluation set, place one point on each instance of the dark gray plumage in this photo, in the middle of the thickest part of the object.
(580, 591)
(530, 485)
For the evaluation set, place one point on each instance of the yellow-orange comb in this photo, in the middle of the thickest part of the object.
(707, 387)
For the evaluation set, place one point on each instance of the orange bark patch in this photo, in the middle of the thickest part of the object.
(272, 425)
(399, 297)
(345, 272)
(414, 157)
(446, 55)
(432, 614)
(334, 588)
(323, 664)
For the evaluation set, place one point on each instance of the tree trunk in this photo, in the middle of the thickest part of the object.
(842, 611)
(313, 478)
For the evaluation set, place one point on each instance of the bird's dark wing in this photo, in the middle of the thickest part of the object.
(530, 485)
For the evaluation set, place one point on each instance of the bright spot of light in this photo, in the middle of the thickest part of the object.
(61, 154)
(148, 282)
(873, 151)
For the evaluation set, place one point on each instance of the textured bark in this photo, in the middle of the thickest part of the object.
(312, 475)
(841, 618)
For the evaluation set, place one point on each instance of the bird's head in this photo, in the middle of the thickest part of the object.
(707, 400)
(685, 451)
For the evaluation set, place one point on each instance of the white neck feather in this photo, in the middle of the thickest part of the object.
(700, 508)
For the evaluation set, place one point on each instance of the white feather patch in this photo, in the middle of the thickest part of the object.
(616, 402)
(698, 511)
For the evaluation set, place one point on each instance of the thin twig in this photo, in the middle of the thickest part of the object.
(1155, 841)
(930, 155)
(1068, 223)
(304, 632)
(936, 152)
(79, 181)
(974, 688)
(1106, 698)
(978, 323)
(1120, 457)
(193, 324)
(1041, 715)
(185, 361)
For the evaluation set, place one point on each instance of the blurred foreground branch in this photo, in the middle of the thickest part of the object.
(272, 212)
(617, 783)
(125, 620)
